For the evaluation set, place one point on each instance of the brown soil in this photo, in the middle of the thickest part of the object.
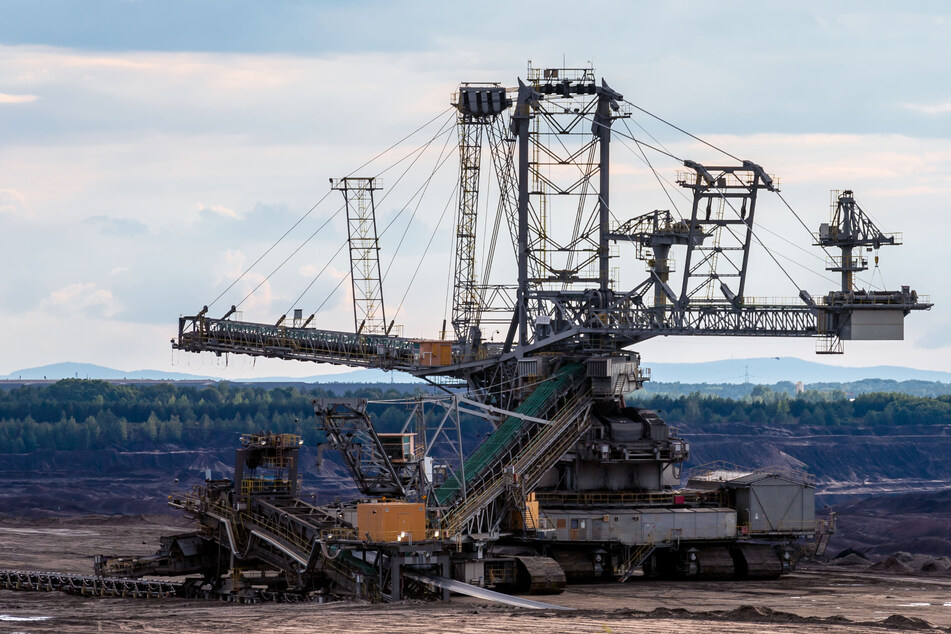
(814, 599)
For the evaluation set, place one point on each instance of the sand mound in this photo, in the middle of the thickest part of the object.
(907, 623)
(851, 559)
(892, 564)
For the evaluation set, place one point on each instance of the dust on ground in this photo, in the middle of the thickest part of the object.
(814, 599)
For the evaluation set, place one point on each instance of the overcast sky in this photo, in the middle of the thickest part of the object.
(152, 150)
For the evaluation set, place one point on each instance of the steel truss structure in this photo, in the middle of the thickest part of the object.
(369, 314)
(557, 377)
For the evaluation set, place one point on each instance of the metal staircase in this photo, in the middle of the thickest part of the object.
(480, 510)
(638, 556)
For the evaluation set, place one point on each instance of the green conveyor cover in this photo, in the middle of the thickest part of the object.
(506, 433)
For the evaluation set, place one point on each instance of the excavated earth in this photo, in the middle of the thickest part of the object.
(849, 596)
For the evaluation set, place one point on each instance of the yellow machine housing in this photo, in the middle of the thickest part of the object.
(391, 521)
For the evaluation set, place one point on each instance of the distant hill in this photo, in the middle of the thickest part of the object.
(57, 371)
(776, 369)
(732, 371)
(69, 370)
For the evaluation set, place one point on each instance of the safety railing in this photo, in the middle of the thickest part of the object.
(783, 526)
(250, 486)
(551, 498)
(522, 462)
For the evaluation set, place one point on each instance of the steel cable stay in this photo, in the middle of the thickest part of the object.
(422, 148)
(445, 310)
(404, 207)
(679, 129)
(645, 131)
(778, 193)
(870, 282)
(331, 293)
(724, 198)
(317, 204)
(417, 151)
(440, 161)
(314, 281)
(269, 249)
(657, 176)
(644, 143)
(452, 196)
(769, 251)
(293, 253)
(811, 254)
(756, 237)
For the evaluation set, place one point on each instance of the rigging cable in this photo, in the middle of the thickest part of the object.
(707, 143)
(452, 195)
(644, 143)
(316, 277)
(440, 161)
(656, 175)
(309, 211)
(417, 151)
(788, 206)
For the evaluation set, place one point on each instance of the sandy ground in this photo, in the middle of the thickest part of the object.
(811, 600)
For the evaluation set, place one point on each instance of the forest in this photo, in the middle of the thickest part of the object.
(77, 414)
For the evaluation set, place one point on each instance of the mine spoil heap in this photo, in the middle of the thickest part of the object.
(573, 484)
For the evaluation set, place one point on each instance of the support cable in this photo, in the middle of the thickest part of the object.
(426, 250)
(664, 121)
(418, 152)
(753, 233)
(309, 211)
(440, 161)
(331, 293)
(268, 250)
(749, 225)
(644, 143)
(656, 175)
(316, 277)
(645, 131)
(804, 225)
(293, 253)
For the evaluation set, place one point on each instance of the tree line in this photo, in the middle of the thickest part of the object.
(76, 414)
(827, 409)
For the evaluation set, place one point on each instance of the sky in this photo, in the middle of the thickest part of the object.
(152, 151)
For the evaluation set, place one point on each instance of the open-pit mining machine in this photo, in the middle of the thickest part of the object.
(573, 483)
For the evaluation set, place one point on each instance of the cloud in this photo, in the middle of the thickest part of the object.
(8, 98)
(219, 210)
(256, 140)
(83, 298)
(120, 227)
(14, 203)
(938, 108)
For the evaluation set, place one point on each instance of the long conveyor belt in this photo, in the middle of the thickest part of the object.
(482, 593)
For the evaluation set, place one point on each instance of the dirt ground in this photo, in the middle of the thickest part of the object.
(814, 599)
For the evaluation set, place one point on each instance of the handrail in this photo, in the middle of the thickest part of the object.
(523, 461)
